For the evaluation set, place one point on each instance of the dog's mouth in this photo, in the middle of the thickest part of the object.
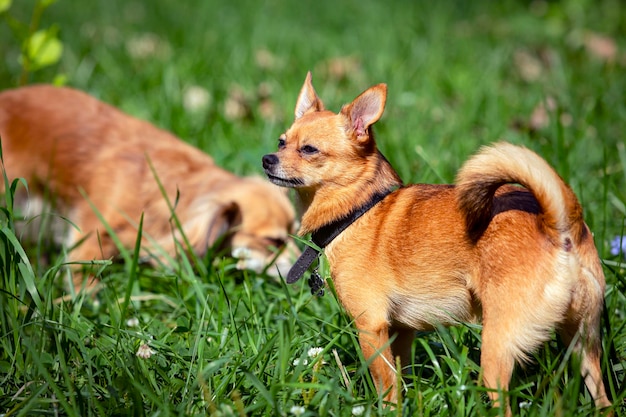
(284, 182)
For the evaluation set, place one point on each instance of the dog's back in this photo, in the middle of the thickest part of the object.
(57, 135)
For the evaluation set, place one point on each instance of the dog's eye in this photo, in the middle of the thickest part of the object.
(308, 149)
(281, 143)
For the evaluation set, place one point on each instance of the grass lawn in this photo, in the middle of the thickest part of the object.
(224, 76)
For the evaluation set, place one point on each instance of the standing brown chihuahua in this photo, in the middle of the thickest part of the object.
(406, 258)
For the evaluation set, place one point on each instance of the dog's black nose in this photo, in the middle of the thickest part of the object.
(269, 160)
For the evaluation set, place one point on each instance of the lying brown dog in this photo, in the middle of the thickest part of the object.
(406, 258)
(96, 161)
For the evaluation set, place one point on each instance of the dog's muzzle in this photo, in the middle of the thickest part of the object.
(274, 172)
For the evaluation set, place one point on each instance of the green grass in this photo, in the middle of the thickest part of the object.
(460, 75)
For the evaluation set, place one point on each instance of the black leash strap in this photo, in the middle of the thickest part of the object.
(303, 263)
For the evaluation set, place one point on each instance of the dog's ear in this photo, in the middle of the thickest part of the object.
(207, 222)
(308, 99)
(225, 217)
(366, 109)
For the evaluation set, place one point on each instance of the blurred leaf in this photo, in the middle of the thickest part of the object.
(5, 5)
(60, 80)
(43, 48)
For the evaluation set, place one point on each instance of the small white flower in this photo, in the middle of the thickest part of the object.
(299, 361)
(132, 322)
(196, 98)
(358, 410)
(525, 404)
(143, 45)
(241, 252)
(297, 410)
(314, 352)
(145, 351)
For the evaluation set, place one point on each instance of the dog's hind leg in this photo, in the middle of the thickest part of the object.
(497, 363)
(582, 327)
(581, 324)
(589, 353)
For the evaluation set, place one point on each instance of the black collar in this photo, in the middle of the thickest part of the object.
(325, 234)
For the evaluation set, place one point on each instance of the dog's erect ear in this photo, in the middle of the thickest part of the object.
(366, 109)
(308, 99)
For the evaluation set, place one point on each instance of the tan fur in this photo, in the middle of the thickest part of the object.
(90, 158)
(521, 259)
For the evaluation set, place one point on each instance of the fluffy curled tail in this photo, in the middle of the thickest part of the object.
(504, 163)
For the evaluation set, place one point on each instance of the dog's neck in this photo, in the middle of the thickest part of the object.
(324, 235)
(331, 203)
(327, 233)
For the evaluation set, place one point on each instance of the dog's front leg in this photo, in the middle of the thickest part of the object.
(376, 347)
